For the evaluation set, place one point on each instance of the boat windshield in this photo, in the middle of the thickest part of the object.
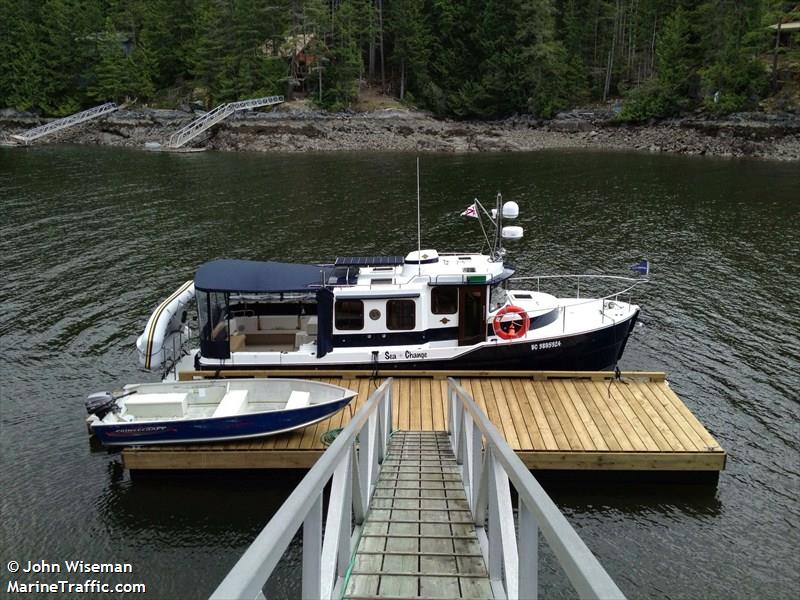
(498, 297)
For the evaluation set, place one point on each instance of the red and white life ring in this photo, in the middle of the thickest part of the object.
(511, 322)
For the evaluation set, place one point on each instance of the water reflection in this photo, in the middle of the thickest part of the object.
(94, 238)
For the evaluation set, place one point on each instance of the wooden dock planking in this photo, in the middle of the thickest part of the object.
(552, 420)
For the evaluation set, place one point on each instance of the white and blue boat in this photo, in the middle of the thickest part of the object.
(424, 310)
(210, 410)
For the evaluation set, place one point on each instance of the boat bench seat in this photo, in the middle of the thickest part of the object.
(276, 338)
(303, 338)
(298, 399)
(312, 326)
(237, 342)
(156, 405)
(232, 403)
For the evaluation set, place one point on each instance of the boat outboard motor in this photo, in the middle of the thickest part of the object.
(100, 404)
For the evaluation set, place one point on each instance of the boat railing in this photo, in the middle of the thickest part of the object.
(489, 467)
(613, 296)
(634, 281)
(353, 474)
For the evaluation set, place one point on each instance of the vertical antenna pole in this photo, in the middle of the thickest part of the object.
(419, 230)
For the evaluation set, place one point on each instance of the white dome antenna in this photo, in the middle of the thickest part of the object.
(512, 233)
(510, 210)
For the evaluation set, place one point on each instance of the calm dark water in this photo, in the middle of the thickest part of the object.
(93, 238)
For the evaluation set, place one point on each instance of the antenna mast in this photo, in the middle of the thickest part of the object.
(419, 229)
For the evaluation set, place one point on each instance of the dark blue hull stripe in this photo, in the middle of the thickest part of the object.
(206, 430)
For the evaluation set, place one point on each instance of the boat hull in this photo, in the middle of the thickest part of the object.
(597, 350)
(186, 431)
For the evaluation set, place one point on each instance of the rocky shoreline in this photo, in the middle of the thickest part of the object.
(769, 136)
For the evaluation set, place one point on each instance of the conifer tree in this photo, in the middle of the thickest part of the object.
(21, 72)
(412, 41)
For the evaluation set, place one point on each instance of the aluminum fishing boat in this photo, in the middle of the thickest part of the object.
(425, 310)
(210, 410)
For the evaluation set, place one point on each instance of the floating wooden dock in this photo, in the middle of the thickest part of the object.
(553, 421)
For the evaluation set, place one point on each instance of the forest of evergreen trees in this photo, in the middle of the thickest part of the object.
(456, 58)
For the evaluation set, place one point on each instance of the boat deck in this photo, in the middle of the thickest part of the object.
(553, 421)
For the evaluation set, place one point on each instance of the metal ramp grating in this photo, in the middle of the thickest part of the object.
(192, 130)
(59, 124)
(419, 539)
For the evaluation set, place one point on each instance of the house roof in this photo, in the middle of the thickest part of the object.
(294, 44)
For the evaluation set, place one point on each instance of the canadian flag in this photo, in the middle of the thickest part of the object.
(470, 211)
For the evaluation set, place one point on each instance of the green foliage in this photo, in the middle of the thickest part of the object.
(120, 76)
(412, 44)
(457, 58)
(650, 100)
(737, 84)
(21, 69)
(341, 79)
(551, 79)
(735, 78)
(667, 94)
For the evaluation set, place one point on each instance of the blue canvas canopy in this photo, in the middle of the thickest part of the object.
(252, 276)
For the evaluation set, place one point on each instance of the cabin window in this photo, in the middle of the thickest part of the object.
(401, 314)
(349, 315)
(498, 298)
(444, 300)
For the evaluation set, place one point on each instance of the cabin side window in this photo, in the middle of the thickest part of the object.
(401, 314)
(499, 297)
(349, 315)
(444, 300)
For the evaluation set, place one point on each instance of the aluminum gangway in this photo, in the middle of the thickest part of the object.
(191, 130)
(416, 514)
(59, 124)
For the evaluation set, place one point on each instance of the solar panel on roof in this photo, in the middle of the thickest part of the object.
(368, 261)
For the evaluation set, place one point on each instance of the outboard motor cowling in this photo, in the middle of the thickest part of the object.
(100, 404)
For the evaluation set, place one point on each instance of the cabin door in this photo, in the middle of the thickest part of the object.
(471, 314)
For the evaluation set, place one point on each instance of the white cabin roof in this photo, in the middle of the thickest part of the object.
(428, 267)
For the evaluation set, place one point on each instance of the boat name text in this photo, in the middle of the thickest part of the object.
(408, 354)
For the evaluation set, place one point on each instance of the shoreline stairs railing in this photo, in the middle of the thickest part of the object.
(353, 465)
(59, 124)
(191, 130)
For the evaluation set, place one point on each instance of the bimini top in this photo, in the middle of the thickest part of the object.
(228, 275)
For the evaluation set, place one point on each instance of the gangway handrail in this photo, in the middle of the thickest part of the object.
(63, 123)
(513, 561)
(354, 473)
(211, 118)
(197, 126)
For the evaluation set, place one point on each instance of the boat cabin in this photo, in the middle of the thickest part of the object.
(357, 302)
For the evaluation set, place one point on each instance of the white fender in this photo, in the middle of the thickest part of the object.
(164, 323)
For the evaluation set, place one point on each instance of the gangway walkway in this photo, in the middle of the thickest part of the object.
(418, 538)
(418, 515)
(59, 124)
(191, 130)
